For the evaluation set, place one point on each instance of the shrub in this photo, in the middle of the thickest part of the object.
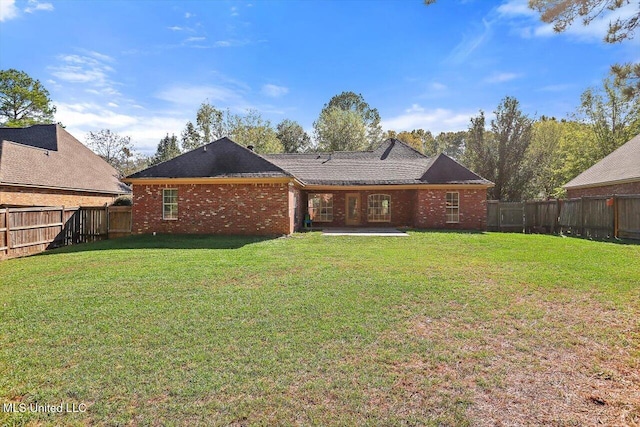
(122, 201)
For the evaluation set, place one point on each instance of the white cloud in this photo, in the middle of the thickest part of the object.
(8, 10)
(436, 120)
(195, 39)
(556, 88)
(501, 77)
(232, 43)
(88, 69)
(469, 44)
(189, 15)
(437, 86)
(527, 24)
(35, 6)
(516, 8)
(274, 91)
(145, 130)
(191, 96)
(234, 11)
(175, 28)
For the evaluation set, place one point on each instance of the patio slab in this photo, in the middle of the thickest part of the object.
(384, 232)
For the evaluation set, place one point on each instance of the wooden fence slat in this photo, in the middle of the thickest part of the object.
(31, 230)
(593, 217)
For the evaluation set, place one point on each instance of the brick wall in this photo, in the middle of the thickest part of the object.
(401, 208)
(24, 196)
(431, 209)
(605, 190)
(250, 209)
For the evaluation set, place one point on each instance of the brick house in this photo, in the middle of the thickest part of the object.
(225, 188)
(44, 165)
(617, 173)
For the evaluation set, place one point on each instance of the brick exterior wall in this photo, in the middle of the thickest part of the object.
(24, 196)
(605, 190)
(249, 209)
(431, 209)
(401, 208)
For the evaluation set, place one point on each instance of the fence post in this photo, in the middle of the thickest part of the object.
(582, 216)
(615, 216)
(8, 229)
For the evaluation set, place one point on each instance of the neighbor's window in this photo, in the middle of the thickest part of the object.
(169, 203)
(321, 207)
(453, 206)
(379, 209)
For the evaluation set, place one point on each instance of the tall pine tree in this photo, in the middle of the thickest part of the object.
(167, 149)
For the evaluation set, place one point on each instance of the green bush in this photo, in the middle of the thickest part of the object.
(122, 201)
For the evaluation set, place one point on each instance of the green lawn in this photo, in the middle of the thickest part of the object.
(434, 329)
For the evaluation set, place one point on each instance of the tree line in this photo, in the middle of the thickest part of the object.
(525, 157)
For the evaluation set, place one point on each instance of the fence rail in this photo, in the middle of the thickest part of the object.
(24, 231)
(594, 217)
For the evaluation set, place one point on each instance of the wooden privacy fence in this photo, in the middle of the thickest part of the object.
(25, 231)
(594, 217)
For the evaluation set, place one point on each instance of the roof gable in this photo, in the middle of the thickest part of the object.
(221, 158)
(623, 164)
(445, 170)
(395, 148)
(39, 136)
(50, 157)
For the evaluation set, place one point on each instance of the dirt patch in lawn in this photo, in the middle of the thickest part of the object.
(540, 362)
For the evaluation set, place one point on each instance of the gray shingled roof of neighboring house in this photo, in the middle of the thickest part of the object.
(622, 165)
(392, 163)
(48, 156)
(221, 158)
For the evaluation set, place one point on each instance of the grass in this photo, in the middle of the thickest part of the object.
(435, 329)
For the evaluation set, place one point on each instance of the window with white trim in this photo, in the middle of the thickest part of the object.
(453, 206)
(321, 207)
(169, 203)
(379, 208)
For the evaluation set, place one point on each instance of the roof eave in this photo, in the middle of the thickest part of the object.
(50, 187)
(568, 186)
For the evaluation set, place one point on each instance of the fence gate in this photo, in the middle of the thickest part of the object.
(505, 216)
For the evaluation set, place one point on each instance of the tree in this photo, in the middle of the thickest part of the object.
(292, 137)
(613, 117)
(627, 77)
(114, 149)
(211, 125)
(350, 101)
(419, 139)
(23, 100)
(452, 143)
(252, 129)
(500, 155)
(190, 138)
(340, 130)
(562, 13)
(167, 149)
(136, 163)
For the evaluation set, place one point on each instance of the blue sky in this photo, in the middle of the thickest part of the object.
(141, 68)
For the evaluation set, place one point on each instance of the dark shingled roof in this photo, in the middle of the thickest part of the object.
(48, 156)
(622, 165)
(221, 158)
(392, 163)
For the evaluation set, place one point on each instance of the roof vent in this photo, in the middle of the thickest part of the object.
(250, 147)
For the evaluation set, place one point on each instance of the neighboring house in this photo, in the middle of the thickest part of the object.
(225, 188)
(618, 173)
(44, 165)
